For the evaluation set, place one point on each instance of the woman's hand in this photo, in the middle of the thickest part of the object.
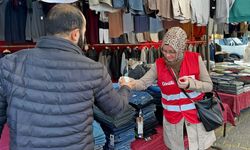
(130, 82)
(183, 82)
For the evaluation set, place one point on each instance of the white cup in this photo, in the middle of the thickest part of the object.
(127, 79)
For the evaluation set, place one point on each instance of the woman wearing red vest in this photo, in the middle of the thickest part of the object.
(179, 111)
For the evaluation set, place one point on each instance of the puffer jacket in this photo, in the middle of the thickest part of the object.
(47, 94)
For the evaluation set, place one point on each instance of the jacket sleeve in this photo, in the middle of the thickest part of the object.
(204, 84)
(3, 104)
(147, 80)
(109, 100)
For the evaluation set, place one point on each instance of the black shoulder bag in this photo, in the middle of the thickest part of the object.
(209, 108)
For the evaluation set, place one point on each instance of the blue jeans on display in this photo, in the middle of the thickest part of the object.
(117, 121)
(155, 89)
(126, 142)
(148, 115)
(140, 98)
(130, 134)
(99, 136)
(116, 86)
(136, 7)
(148, 108)
(123, 147)
(99, 147)
(119, 130)
(101, 140)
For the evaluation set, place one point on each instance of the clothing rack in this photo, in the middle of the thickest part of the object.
(14, 48)
(139, 45)
(17, 46)
(146, 44)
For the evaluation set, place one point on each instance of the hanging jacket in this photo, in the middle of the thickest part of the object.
(176, 105)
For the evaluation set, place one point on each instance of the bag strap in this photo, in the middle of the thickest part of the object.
(219, 100)
(175, 79)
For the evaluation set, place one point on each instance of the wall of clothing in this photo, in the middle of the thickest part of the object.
(120, 21)
(134, 60)
(125, 21)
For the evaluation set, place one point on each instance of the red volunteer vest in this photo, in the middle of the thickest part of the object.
(176, 105)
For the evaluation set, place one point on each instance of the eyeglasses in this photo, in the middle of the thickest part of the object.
(168, 51)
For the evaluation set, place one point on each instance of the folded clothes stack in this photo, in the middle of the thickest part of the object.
(227, 84)
(144, 102)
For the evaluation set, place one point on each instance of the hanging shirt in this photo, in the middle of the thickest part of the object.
(141, 23)
(165, 9)
(102, 5)
(35, 23)
(59, 1)
(181, 10)
(128, 22)
(222, 10)
(136, 7)
(3, 4)
(200, 11)
(115, 24)
(155, 25)
(15, 21)
(92, 32)
(240, 11)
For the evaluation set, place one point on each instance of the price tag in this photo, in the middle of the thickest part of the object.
(139, 122)
(112, 140)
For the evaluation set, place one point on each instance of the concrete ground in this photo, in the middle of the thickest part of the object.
(237, 137)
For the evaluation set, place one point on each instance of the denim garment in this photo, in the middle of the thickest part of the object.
(119, 3)
(97, 130)
(120, 40)
(128, 22)
(148, 108)
(101, 140)
(119, 137)
(212, 52)
(140, 98)
(141, 23)
(116, 86)
(125, 136)
(118, 146)
(123, 147)
(136, 7)
(149, 133)
(155, 89)
(155, 25)
(148, 115)
(116, 124)
(117, 121)
(156, 95)
(119, 130)
(150, 121)
(99, 147)
(99, 136)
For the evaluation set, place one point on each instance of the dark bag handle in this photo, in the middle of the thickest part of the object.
(217, 95)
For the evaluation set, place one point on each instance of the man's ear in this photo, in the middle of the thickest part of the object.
(74, 35)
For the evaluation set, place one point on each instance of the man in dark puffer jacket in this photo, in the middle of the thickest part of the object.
(47, 93)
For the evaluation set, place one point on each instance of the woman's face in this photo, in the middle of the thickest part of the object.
(169, 53)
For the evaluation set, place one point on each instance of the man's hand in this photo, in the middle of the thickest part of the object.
(183, 82)
(130, 82)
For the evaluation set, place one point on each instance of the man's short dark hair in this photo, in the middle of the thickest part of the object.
(63, 18)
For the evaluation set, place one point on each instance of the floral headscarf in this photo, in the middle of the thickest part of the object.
(175, 37)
